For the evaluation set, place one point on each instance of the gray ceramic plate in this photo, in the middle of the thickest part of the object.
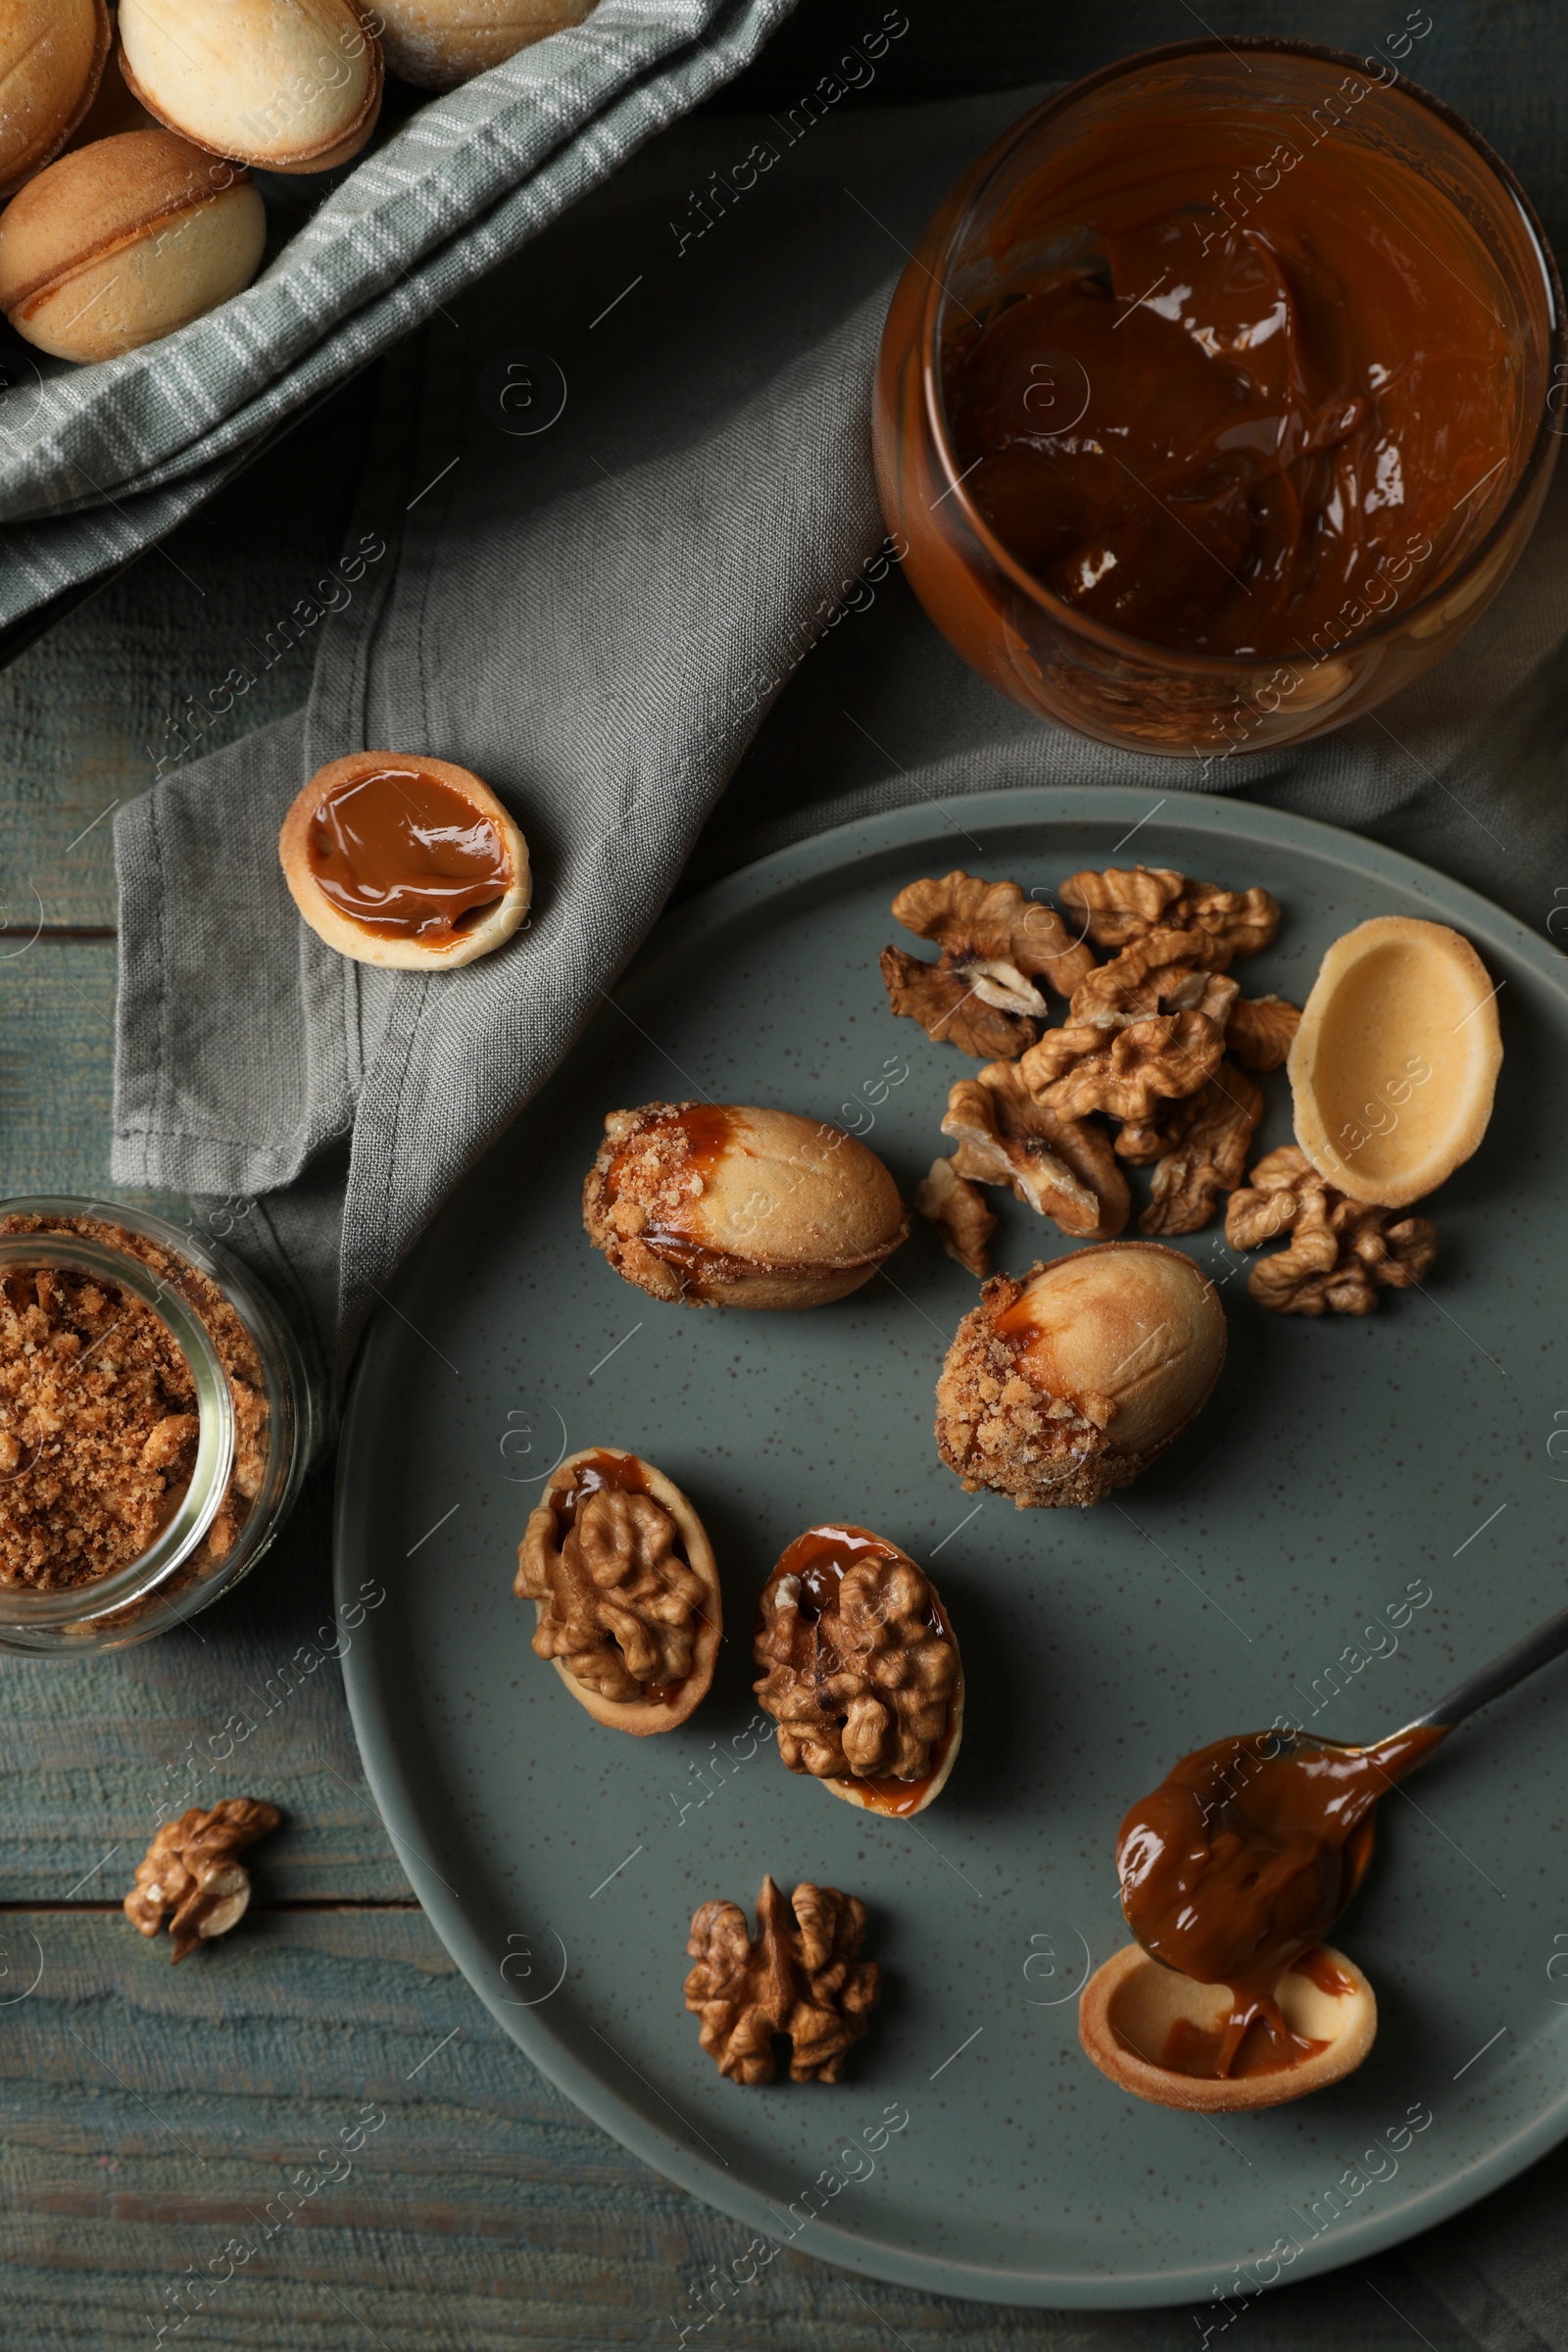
(1340, 1465)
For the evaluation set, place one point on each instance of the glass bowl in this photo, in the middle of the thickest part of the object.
(1017, 206)
(194, 1289)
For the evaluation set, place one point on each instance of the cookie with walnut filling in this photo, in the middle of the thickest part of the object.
(625, 1591)
(860, 1670)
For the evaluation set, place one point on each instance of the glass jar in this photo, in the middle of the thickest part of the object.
(1014, 209)
(256, 1416)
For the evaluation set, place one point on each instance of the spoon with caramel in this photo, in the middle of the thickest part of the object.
(1243, 1858)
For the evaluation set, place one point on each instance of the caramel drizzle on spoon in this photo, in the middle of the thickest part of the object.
(1237, 1864)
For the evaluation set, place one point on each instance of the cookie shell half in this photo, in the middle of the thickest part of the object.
(491, 927)
(1395, 1065)
(641, 1718)
(1132, 1999)
(52, 56)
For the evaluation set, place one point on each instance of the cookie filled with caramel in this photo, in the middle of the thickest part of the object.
(406, 861)
(1064, 1386)
(728, 1205)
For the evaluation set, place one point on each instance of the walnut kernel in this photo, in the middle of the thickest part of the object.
(956, 1207)
(1127, 1072)
(1062, 1168)
(1125, 904)
(192, 1877)
(1260, 1031)
(980, 994)
(1341, 1253)
(1209, 1159)
(802, 1977)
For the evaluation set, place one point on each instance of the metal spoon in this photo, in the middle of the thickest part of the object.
(1477, 1690)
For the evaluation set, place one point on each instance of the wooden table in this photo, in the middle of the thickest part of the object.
(150, 2116)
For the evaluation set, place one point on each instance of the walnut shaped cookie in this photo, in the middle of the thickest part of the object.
(859, 1670)
(1064, 1386)
(625, 1591)
(1141, 2025)
(1395, 1065)
(801, 1978)
(728, 1205)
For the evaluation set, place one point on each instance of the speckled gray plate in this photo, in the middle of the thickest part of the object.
(1343, 1470)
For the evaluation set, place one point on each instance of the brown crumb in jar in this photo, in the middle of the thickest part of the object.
(98, 1415)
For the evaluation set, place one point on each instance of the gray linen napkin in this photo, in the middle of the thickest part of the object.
(594, 618)
(117, 453)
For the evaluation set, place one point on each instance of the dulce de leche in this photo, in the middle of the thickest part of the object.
(1225, 389)
(405, 855)
(1234, 1869)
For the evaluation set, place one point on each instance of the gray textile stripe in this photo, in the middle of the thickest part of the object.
(114, 455)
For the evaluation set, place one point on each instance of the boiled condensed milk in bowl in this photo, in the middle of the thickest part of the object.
(1217, 400)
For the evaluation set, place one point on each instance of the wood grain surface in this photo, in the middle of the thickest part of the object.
(158, 2126)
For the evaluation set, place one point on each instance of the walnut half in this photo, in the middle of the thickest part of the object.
(1063, 1169)
(625, 1591)
(192, 1877)
(1210, 1158)
(954, 1205)
(1126, 903)
(859, 1670)
(1341, 1253)
(802, 1977)
(996, 944)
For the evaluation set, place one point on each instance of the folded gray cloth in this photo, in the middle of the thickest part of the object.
(594, 618)
(117, 453)
(590, 617)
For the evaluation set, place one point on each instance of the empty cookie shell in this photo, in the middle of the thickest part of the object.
(726, 1204)
(436, 44)
(117, 244)
(52, 53)
(1135, 2017)
(295, 88)
(625, 1591)
(860, 1670)
(402, 860)
(1064, 1386)
(1395, 1061)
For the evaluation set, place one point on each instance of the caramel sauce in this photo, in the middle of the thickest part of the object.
(624, 1473)
(821, 1559)
(1203, 419)
(1319, 1969)
(591, 1476)
(709, 1129)
(406, 857)
(1239, 1863)
(1267, 2047)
